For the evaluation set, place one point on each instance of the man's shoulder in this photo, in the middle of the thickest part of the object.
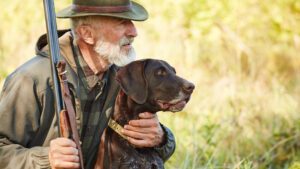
(35, 67)
(36, 71)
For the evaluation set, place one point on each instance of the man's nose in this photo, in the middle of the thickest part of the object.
(131, 29)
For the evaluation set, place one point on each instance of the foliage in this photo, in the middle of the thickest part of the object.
(295, 166)
(243, 57)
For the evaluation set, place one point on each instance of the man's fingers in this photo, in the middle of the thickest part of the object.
(63, 154)
(63, 142)
(147, 120)
(137, 135)
(69, 158)
(64, 150)
(144, 130)
(143, 123)
(73, 158)
(140, 143)
(63, 146)
(147, 115)
(65, 164)
(57, 148)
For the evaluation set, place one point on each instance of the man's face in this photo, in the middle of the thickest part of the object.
(114, 40)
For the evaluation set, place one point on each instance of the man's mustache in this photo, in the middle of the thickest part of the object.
(126, 41)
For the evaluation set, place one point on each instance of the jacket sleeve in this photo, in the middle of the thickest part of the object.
(20, 112)
(168, 148)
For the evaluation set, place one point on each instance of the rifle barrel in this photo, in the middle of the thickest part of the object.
(52, 37)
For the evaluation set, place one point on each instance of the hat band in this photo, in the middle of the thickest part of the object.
(101, 9)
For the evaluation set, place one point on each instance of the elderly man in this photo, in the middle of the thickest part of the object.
(101, 38)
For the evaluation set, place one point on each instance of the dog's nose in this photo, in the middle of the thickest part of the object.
(188, 87)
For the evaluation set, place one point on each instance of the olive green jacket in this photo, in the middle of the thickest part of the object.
(27, 112)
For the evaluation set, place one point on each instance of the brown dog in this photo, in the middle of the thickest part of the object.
(147, 86)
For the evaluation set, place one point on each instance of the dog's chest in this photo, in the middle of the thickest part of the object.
(140, 158)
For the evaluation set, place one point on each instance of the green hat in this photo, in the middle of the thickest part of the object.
(125, 9)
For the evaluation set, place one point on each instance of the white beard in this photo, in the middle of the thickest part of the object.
(113, 52)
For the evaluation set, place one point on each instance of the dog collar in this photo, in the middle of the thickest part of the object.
(116, 127)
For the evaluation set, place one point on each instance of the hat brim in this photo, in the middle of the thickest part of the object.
(137, 13)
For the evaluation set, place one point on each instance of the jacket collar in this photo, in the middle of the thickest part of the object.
(42, 47)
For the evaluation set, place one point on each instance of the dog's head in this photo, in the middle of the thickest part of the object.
(154, 82)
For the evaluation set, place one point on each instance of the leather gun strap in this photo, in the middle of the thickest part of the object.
(70, 108)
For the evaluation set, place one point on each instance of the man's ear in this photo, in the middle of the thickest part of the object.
(85, 33)
(133, 82)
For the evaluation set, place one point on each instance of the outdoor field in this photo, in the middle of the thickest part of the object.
(243, 57)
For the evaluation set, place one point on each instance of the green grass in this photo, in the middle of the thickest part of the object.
(243, 57)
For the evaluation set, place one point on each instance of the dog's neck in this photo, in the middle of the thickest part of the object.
(126, 109)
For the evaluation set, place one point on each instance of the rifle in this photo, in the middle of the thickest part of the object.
(65, 112)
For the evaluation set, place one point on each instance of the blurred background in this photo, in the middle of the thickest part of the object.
(243, 57)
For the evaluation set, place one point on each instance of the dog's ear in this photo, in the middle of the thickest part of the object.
(133, 82)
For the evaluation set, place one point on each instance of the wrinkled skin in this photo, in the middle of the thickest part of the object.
(146, 86)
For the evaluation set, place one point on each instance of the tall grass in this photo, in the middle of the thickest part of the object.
(243, 57)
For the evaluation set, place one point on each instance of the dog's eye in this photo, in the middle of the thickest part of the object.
(161, 72)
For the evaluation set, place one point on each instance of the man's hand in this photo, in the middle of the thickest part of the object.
(145, 132)
(63, 154)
